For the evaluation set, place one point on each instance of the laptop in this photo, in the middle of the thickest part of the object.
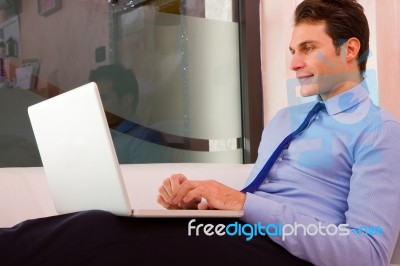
(80, 161)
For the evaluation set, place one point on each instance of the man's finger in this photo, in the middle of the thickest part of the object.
(164, 194)
(176, 181)
(186, 187)
(167, 186)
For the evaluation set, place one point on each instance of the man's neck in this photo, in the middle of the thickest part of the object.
(343, 86)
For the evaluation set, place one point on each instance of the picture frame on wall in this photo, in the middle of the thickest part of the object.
(47, 7)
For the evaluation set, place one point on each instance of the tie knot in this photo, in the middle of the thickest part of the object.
(317, 107)
(312, 113)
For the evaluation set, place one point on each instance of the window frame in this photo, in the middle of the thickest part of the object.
(251, 78)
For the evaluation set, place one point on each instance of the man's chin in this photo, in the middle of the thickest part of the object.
(309, 90)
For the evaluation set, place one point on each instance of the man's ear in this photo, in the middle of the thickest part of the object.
(352, 49)
(127, 100)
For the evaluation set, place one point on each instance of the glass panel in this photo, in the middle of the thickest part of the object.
(167, 71)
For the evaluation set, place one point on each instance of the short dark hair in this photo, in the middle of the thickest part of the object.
(344, 19)
(123, 80)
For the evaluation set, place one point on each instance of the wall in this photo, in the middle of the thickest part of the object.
(388, 36)
(64, 41)
(276, 28)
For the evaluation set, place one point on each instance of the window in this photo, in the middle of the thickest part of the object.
(193, 78)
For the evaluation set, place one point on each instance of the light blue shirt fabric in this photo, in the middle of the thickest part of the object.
(138, 144)
(343, 169)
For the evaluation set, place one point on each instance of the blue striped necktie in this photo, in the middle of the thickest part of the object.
(268, 165)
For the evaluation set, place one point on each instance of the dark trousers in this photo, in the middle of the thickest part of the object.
(100, 238)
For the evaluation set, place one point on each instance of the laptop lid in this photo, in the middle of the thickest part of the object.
(77, 152)
(79, 158)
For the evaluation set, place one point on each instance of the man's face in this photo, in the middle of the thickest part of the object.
(110, 100)
(320, 67)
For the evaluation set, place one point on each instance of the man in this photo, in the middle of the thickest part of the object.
(337, 180)
(119, 92)
(341, 171)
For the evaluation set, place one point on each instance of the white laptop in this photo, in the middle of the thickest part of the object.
(79, 158)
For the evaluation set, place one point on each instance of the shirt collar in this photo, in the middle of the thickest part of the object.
(126, 126)
(348, 99)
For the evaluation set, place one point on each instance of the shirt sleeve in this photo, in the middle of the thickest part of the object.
(372, 225)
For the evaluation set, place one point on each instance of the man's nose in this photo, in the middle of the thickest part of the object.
(296, 62)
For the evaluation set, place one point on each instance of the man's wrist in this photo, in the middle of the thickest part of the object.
(240, 202)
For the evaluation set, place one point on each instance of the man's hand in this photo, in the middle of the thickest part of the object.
(178, 192)
(169, 188)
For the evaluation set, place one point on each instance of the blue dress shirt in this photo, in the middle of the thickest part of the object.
(138, 144)
(344, 169)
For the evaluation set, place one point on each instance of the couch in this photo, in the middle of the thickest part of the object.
(24, 192)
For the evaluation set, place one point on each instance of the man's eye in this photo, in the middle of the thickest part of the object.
(308, 49)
